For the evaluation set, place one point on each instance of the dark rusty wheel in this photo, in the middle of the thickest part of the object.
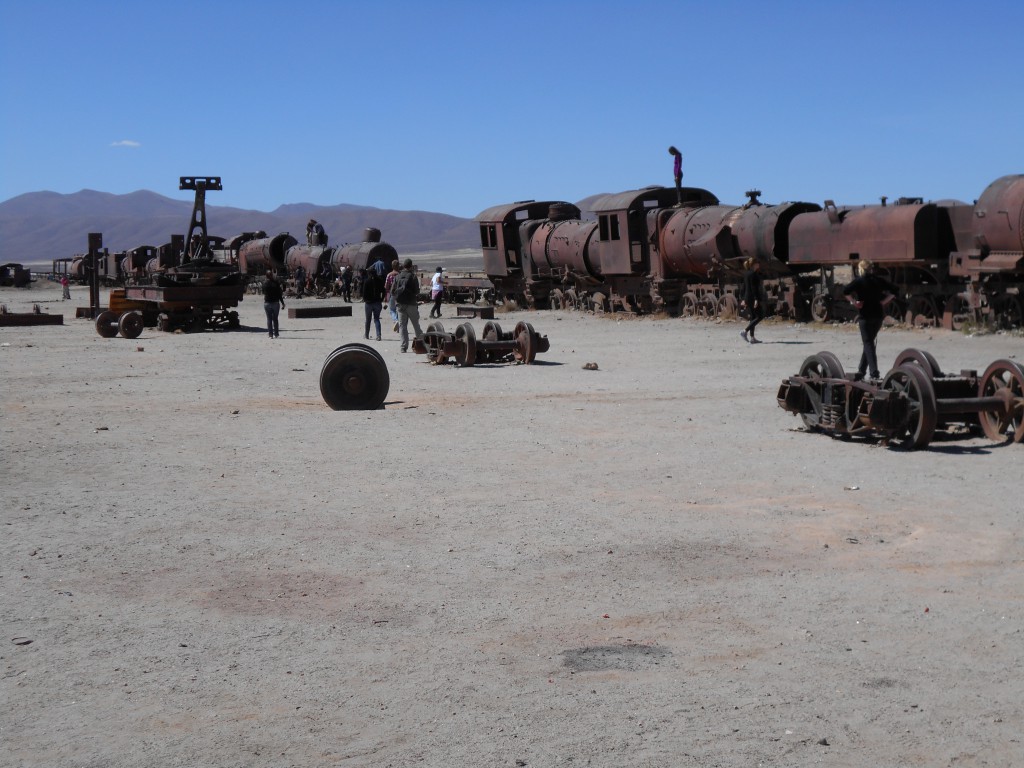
(492, 331)
(526, 343)
(821, 308)
(823, 365)
(923, 313)
(1009, 312)
(432, 342)
(707, 307)
(688, 305)
(911, 382)
(130, 325)
(466, 357)
(106, 324)
(354, 378)
(919, 357)
(956, 313)
(1004, 379)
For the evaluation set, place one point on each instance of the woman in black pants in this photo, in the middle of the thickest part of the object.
(753, 291)
(871, 293)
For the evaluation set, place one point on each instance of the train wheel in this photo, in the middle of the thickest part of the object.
(466, 355)
(106, 324)
(728, 307)
(130, 325)
(911, 381)
(821, 309)
(688, 305)
(1005, 379)
(895, 312)
(526, 343)
(492, 332)
(956, 313)
(433, 343)
(923, 313)
(557, 299)
(919, 357)
(597, 303)
(570, 300)
(1008, 312)
(354, 378)
(707, 307)
(823, 365)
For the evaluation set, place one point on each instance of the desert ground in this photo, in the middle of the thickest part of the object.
(648, 564)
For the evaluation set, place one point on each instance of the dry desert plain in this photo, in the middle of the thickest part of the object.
(650, 564)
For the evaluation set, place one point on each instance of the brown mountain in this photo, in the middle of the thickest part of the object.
(37, 227)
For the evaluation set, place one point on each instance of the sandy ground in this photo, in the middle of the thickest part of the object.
(650, 564)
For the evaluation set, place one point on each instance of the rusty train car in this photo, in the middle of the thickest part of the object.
(645, 252)
(283, 254)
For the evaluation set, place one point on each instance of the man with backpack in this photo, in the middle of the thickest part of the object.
(406, 290)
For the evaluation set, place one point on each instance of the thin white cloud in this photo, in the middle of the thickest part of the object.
(126, 143)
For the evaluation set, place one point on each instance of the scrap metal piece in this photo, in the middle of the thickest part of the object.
(354, 377)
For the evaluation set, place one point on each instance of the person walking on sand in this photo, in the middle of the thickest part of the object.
(437, 291)
(871, 294)
(373, 293)
(677, 173)
(752, 299)
(66, 287)
(273, 302)
(389, 294)
(407, 291)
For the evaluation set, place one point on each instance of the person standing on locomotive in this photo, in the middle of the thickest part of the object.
(871, 294)
(273, 301)
(315, 234)
(752, 299)
(677, 172)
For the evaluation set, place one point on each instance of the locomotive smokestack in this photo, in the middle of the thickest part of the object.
(371, 235)
(562, 212)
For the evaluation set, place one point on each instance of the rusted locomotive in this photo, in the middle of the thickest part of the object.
(646, 252)
(283, 253)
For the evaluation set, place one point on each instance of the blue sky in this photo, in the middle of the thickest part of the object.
(457, 106)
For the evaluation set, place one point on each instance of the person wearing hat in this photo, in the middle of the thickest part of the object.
(315, 234)
(437, 291)
(871, 294)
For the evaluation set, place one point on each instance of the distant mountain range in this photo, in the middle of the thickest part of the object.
(38, 227)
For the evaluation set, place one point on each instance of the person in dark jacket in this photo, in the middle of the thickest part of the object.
(677, 172)
(373, 296)
(871, 294)
(273, 302)
(752, 299)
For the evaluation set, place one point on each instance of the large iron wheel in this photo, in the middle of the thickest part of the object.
(1005, 379)
(707, 307)
(557, 299)
(821, 308)
(106, 324)
(1008, 312)
(957, 313)
(823, 365)
(728, 307)
(923, 313)
(433, 343)
(912, 382)
(688, 305)
(130, 325)
(354, 378)
(466, 356)
(526, 343)
(922, 358)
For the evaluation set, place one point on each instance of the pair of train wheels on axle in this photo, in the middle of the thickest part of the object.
(913, 377)
(128, 324)
(522, 344)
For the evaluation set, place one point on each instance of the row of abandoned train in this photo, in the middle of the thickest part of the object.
(254, 253)
(647, 252)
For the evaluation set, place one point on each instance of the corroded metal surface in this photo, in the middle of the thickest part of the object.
(354, 377)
